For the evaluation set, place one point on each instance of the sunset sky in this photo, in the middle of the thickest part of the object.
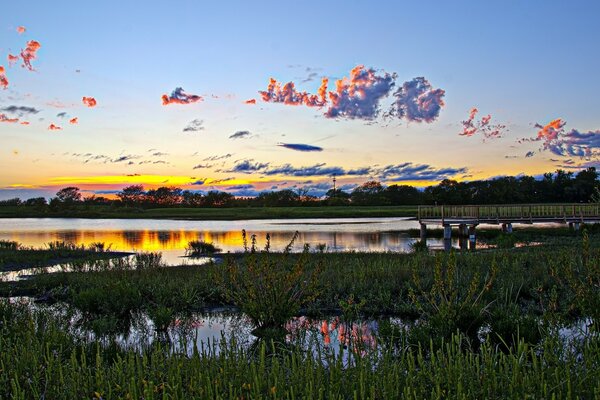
(89, 93)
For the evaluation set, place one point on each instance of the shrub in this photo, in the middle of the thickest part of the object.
(198, 248)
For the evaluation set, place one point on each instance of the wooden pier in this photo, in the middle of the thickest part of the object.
(467, 217)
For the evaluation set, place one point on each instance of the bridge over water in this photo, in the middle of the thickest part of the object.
(467, 217)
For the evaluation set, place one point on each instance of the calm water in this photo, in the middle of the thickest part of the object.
(171, 237)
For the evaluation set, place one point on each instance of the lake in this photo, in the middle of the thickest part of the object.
(172, 236)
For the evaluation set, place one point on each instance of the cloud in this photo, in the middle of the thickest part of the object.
(417, 101)
(20, 110)
(159, 154)
(89, 101)
(359, 95)
(3, 78)
(24, 122)
(287, 94)
(29, 53)
(199, 182)
(12, 59)
(53, 127)
(216, 158)
(20, 30)
(248, 167)
(201, 166)
(178, 96)
(250, 101)
(240, 135)
(313, 170)
(74, 121)
(124, 158)
(4, 118)
(576, 144)
(417, 172)
(61, 114)
(194, 125)
(529, 154)
(300, 147)
(471, 126)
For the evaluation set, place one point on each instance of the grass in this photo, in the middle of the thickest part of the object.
(15, 257)
(198, 213)
(486, 325)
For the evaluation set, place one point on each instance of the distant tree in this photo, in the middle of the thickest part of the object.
(193, 199)
(337, 197)
(164, 196)
(403, 195)
(36, 201)
(585, 184)
(69, 195)
(369, 193)
(10, 202)
(215, 198)
(132, 195)
(281, 198)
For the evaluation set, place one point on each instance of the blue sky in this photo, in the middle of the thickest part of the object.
(520, 62)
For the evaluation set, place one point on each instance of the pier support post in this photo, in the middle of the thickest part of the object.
(423, 233)
(472, 237)
(462, 230)
(447, 237)
(509, 228)
(576, 226)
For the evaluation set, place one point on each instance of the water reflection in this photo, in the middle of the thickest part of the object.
(172, 237)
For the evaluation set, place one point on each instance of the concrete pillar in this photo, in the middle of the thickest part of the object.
(472, 237)
(570, 225)
(423, 233)
(509, 228)
(463, 243)
(462, 231)
(447, 237)
(576, 226)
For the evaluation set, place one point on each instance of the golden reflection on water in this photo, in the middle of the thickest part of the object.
(152, 240)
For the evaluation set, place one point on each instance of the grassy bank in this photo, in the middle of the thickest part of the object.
(41, 360)
(234, 213)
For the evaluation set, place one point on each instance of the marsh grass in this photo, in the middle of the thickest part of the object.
(200, 248)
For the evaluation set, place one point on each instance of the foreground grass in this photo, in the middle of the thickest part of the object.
(40, 359)
(198, 213)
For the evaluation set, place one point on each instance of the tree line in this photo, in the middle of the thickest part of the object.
(558, 187)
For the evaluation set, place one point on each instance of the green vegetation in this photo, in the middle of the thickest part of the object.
(199, 248)
(205, 213)
(476, 325)
(14, 257)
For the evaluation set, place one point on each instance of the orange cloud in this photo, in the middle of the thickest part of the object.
(53, 127)
(287, 94)
(551, 130)
(21, 30)
(74, 121)
(3, 79)
(251, 101)
(4, 118)
(483, 126)
(179, 96)
(89, 101)
(12, 59)
(24, 122)
(29, 53)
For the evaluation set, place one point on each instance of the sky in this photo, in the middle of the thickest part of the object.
(102, 95)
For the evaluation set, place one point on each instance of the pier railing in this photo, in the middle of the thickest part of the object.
(511, 212)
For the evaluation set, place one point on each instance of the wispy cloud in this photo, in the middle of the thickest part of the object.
(300, 147)
(250, 101)
(20, 110)
(217, 158)
(74, 121)
(53, 127)
(194, 125)
(179, 96)
(240, 135)
(12, 59)
(248, 166)
(4, 118)
(21, 29)
(471, 126)
(202, 166)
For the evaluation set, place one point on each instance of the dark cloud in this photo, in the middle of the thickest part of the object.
(248, 167)
(199, 182)
(159, 154)
(127, 157)
(300, 147)
(20, 110)
(194, 125)
(61, 114)
(417, 172)
(200, 166)
(313, 170)
(417, 101)
(576, 144)
(529, 154)
(240, 135)
(179, 96)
